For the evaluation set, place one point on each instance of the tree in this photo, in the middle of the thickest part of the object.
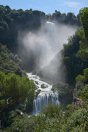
(84, 19)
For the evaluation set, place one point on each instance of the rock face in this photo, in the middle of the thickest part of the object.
(44, 86)
(36, 82)
(78, 102)
(66, 99)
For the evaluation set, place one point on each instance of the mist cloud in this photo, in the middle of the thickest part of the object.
(44, 45)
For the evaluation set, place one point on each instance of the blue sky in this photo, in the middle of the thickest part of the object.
(48, 6)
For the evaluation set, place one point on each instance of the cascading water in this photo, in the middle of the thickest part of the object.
(45, 46)
(45, 96)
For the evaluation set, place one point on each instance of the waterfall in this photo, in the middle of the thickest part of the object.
(46, 45)
(45, 94)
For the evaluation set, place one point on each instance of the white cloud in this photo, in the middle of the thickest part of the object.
(72, 4)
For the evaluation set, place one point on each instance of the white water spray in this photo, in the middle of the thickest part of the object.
(43, 46)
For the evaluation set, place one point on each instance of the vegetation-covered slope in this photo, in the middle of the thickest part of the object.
(9, 62)
(15, 87)
(14, 90)
(76, 51)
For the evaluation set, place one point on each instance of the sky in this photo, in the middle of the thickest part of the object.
(47, 6)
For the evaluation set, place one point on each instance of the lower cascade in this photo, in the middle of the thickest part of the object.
(44, 94)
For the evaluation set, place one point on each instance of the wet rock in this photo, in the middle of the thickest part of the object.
(19, 112)
(36, 82)
(44, 86)
(37, 92)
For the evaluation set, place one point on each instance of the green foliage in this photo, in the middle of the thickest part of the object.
(75, 56)
(76, 52)
(78, 121)
(83, 78)
(84, 19)
(10, 62)
(86, 73)
(71, 61)
(80, 78)
(14, 90)
(84, 93)
(81, 84)
(68, 18)
(83, 52)
(23, 125)
(52, 111)
(41, 123)
(73, 119)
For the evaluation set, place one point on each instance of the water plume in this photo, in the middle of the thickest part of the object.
(44, 47)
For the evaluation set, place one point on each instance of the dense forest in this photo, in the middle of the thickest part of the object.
(17, 91)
